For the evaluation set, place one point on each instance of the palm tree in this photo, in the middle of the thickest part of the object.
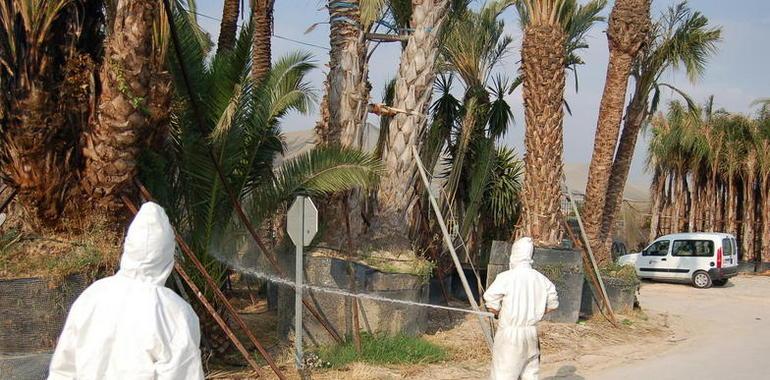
(680, 38)
(466, 132)
(229, 24)
(553, 29)
(696, 182)
(629, 24)
(262, 22)
(112, 145)
(412, 92)
(48, 51)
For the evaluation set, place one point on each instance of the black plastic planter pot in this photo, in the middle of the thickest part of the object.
(564, 267)
(374, 316)
(622, 295)
(747, 267)
(32, 315)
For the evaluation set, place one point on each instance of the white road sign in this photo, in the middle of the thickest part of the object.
(302, 221)
(302, 225)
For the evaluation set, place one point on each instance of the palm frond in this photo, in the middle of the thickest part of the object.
(321, 171)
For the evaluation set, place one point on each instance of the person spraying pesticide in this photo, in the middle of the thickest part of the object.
(130, 326)
(519, 297)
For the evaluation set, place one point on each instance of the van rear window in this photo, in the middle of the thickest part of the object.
(693, 248)
(727, 247)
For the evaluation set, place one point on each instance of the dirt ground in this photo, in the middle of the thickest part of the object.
(587, 344)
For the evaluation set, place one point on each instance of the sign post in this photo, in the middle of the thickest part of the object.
(301, 225)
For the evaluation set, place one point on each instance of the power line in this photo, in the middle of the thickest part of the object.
(273, 34)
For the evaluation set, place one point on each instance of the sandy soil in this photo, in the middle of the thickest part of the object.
(725, 333)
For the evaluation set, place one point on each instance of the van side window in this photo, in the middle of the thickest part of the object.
(659, 248)
(693, 248)
(727, 247)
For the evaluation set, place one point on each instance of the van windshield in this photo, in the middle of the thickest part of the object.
(693, 248)
(658, 248)
(727, 247)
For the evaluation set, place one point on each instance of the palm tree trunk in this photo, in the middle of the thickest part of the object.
(694, 215)
(658, 187)
(635, 115)
(628, 25)
(229, 25)
(262, 19)
(749, 216)
(732, 225)
(114, 141)
(31, 162)
(719, 209)
(345, 105)
(542, 62)
(346, 97)
(765, 205)
(710, 205)
(684, 194)
(413, 88)
(677, 202)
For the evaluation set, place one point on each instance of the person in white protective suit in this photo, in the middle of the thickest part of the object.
(520, 297)
(130, 326)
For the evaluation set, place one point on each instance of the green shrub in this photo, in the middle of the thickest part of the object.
(381, 349)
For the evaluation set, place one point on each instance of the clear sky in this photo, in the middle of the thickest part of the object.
(736, 76)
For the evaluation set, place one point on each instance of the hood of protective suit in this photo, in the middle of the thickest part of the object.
(148, 252)
(521, 252)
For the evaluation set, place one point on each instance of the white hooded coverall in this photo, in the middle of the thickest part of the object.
(522, 295)
(130, 326)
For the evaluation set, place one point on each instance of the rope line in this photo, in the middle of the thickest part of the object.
(240, 25)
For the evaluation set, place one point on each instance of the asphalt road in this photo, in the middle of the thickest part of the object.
(726, 330)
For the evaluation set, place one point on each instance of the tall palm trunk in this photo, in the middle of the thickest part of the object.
(712, 193)
(695, 191)
(686, 204)
(636, 113)
(765, 207)
(731, 205)
(413, 88)
(346, 97)
(113, 143)
(658, 185)
(719, 209)
(262, 19)
(542, 59)
(628, 25)
(229, 25)
(38, 171)
(677, 205)
(749, 205)
(344, 106)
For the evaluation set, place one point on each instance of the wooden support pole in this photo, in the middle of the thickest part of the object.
(220, 297)
(221, 322)
(451, 248)
(381, 37)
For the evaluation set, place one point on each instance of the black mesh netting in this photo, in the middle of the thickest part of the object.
(32, 313)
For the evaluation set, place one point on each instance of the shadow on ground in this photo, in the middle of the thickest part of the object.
(567, 372)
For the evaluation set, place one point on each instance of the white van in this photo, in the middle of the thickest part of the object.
(700, 258)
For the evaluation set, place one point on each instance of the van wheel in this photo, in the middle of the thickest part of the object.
(701, 280)
(721, 282)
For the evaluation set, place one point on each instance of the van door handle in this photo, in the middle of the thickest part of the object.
(663, 259)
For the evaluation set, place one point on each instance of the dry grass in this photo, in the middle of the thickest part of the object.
(89, 249)
(468, 356)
